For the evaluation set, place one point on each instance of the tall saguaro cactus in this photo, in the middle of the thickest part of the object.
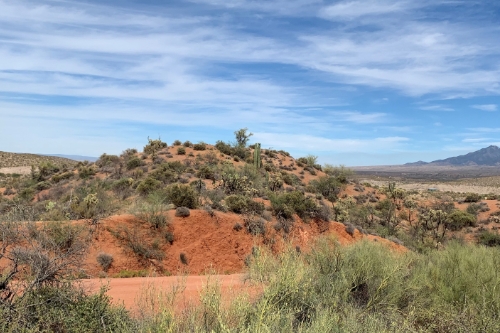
(256, 156)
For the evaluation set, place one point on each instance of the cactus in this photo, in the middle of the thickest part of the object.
(256, 156)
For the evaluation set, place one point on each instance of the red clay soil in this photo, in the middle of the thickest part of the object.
(129, 292)
(210, 244)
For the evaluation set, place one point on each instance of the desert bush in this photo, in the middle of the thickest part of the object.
(240, 204)
(107, 160)
(200, 146)
(136, 242)
(341, 173)
(328, 186)
(62, 176)
(237, 227)
(215, 198)
(286, 204)
(86, 171)
(255, 225)
(183, 258)
(224, 148)
(45, 185)
(489, 238)
(104, 260)
(128, 153)
(169, 237)
(458, 220)
(26, 194)
(165, 173)
(148, 186)
(181, 151)
(154, 146)
(187, 144)
(290, 179)
(475, 208)
(177, 143)
(237, 203)
(206, 172)
(182, 196)
(349, 228)
(134, 162)
(64, 308)
(122, 187)
(154, 210)
(182, 212)
(472, 197)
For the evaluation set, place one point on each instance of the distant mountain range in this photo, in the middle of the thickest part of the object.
(74, 157)
(489, 156)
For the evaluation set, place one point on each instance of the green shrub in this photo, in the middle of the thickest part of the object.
(236, 203)
(290, 179)
(177, 143)
(63, 307)
(472, 197)
(458, 220)
(206, 172)
(122, 187)
(200, 146)
(240, 204)
(58, 177)
(169, 237)
(154, 211)
(286, 204)
(182, 212)
(86, 171)
(187, 144)
(105, 260)
(148, 185)
(136, 242)
(182, 196)
(181, 151)
(183, 258)
(26, 194)
(473, 208)
(134, 162)
(43, 186)
(255, 225)
(489, 238)
(154, 146)
(224, 148)
(107, 160)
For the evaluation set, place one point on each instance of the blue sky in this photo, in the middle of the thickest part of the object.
(359, 82)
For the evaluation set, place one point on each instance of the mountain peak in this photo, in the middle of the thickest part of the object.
(489, 156)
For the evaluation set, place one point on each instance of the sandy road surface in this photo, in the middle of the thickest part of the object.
(128, 291)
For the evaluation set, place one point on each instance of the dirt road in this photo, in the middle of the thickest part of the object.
(130, 291)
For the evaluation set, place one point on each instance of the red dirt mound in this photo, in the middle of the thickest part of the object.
(210, 243)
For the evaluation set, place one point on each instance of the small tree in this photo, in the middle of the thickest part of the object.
(242, 137)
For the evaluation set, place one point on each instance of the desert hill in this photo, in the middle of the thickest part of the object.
(191, 207)
(15, 160)
(489, 156)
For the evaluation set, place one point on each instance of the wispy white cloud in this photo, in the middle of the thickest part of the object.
(485, 129)
(355, 9)
(472, 140)
(322, 144)
(436, 108)
(358, 117)
(486, 107)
